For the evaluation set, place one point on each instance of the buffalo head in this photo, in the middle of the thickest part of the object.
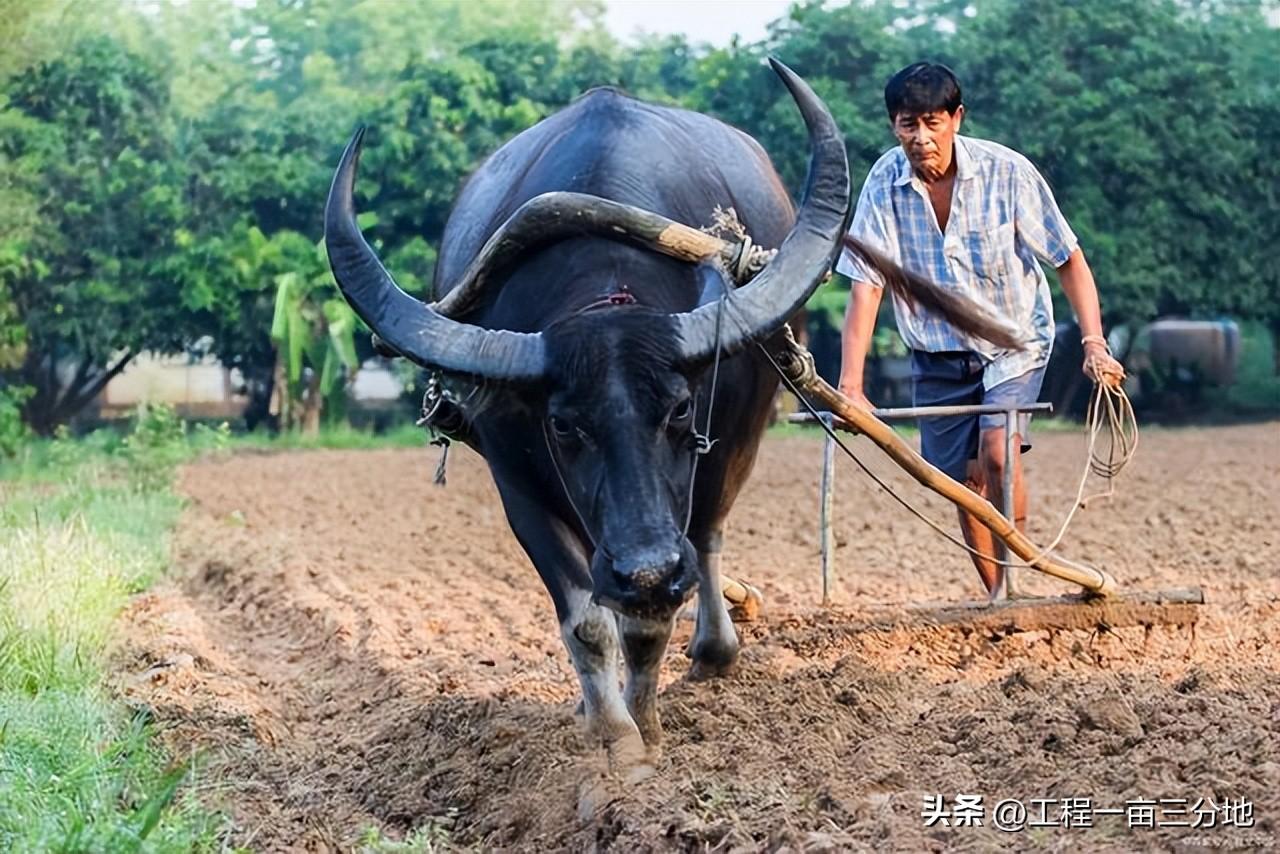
(613, 393)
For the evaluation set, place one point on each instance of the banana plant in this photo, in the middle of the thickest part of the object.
(314, 332)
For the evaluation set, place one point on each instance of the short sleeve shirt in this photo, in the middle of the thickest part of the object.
(1003, 223)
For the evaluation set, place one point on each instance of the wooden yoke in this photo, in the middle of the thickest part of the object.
(796, 363)
(550, 217)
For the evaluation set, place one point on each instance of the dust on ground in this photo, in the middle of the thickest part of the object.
(349, 647)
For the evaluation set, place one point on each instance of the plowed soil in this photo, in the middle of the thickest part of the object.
(349, 647)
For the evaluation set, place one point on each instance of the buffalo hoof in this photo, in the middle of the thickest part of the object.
(599, 790)
(630, 760)
(701, 671)
(712, 658)
(713, 655)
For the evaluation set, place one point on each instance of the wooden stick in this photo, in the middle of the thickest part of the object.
(797, 364)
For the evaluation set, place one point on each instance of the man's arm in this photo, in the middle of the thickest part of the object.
(859, 326)
(874, 225)
(1042, 227)
(1082, 293)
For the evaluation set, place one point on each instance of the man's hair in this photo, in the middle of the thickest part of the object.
(922, 87)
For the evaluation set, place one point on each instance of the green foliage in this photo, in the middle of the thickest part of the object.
(1257, 387)
(160, 441)
(337, 437)
(164, 168)
(313, 328)
(80, 775)
(436, 834)
(1169, 201)
(12, 431)
(1165, 198)
(78, 772)
(89, 136)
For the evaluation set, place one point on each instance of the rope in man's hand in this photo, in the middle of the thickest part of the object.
(1099, 365)
(1109, 408)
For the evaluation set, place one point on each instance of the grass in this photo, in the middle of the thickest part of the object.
(337, 437)
(428, 838)
(83, 526)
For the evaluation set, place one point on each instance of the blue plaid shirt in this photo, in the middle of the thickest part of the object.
(1003, 221)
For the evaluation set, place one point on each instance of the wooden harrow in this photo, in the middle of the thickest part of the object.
(1100, 602)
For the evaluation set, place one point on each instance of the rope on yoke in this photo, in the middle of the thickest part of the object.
(702, 442)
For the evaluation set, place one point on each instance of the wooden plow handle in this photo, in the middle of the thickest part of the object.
(796, 364)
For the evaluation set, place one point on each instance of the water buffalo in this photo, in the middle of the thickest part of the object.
(580, 363)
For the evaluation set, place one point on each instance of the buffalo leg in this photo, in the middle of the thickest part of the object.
(643, 643)
(591, 636)
(589, 631)
(714, 647)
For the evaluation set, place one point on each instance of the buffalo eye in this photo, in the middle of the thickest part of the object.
(562, 430)
(681, 414)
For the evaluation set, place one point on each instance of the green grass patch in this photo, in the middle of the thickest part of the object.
(335, 437)
(435, 835)
(83, 526)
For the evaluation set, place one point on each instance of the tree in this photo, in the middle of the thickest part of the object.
(1097, 94)
(91, 125)
(1132, 110)
(314, 331)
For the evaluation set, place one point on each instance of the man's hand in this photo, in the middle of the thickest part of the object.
(1100, 366)
(855, 394)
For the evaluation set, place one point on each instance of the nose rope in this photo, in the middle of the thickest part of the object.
(555, 464)
(702, 442)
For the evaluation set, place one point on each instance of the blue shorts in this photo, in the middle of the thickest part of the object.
(949, 442)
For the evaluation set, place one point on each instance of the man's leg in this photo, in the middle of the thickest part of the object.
(951, 443)
(987, 479)
(979, 536)
(990, 470)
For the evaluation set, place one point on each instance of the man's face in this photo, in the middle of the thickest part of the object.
(928, 140)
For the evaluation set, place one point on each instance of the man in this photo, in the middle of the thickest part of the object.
(977, 218)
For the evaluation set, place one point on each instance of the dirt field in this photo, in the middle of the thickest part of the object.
(350, 647)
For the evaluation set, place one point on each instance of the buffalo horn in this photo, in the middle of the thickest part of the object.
(761, 307)
(407, 325)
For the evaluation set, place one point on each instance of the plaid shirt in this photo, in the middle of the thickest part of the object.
(1003, 218)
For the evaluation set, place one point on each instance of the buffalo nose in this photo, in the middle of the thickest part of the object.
(647, 571)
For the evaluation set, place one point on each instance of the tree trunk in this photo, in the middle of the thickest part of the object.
(53, 403)
(281, 405)
(260, 385)
(312, 406)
